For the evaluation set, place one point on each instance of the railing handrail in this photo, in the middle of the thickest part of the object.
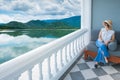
(33, 57)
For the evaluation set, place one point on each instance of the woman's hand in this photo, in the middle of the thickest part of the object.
(107, 42)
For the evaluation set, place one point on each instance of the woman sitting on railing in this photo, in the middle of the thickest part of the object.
(106, 36)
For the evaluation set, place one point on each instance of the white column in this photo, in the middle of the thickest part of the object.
(86, 7)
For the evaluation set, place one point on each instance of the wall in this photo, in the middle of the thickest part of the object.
(103, 10)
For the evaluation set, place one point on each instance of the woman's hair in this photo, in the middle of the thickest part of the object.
(107, 24)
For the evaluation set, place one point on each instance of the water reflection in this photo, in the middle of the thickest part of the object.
(17, 42)
(11, 47)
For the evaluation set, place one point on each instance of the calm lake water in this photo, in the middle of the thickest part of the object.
(16, 42)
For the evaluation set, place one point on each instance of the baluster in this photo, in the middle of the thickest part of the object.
(61, 60)
(49, 68)
(55, 60)
(66, 60)
(74, 45)
(30, 73)
(80, 42)
(73, 48)
(83, 41)
(16, 77)
(70, 51)
(67, 52)
(40, 72)
(77, 49)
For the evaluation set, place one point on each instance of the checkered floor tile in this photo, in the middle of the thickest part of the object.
(84, 70)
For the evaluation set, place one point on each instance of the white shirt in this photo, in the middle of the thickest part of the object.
(106, 34)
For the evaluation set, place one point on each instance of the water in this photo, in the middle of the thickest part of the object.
(14, 43)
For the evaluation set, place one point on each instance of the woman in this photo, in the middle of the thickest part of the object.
(106, 35)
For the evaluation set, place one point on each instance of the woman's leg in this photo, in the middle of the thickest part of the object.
(105, 57)
(104, 50)
(99, 57)
(102, 53)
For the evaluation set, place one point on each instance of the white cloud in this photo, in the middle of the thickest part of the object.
(5, 18)
(21, 5)
(25, 10)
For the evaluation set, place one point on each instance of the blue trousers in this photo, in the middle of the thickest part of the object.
(102, 52)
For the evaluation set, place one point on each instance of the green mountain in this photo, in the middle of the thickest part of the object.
(74, 21)
(37, 24)
(68, 23)
(14, 25)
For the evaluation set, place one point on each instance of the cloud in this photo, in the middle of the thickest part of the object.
(5, 18)
(38, 9)
(21, 6)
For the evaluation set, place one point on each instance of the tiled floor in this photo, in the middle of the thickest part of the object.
(84, 70)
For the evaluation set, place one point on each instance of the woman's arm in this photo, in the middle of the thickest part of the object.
(112, 39)
(99, 36)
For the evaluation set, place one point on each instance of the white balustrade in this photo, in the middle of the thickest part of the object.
(59, 54)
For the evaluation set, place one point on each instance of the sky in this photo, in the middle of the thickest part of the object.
(26, 10)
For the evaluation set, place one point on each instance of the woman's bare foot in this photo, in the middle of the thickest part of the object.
(106, 60)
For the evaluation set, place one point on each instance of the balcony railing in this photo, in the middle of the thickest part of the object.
(48, 62)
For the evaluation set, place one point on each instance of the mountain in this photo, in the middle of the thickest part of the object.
(72, 21)
(14, 25)
(67, 23)
(1, 23)
(36, 23)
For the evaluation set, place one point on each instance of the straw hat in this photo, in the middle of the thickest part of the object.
(109, 22)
